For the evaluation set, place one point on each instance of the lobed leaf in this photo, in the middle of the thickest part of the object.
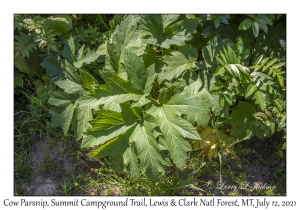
(158, 30)
(124, 36)
(177, 63)
(174, 128)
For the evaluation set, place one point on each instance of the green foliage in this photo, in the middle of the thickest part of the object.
(217, 19)
(166, 30)
(257, 22)
(178, 62)
(60, 24)
(24, 44)
(146, 90)
(82, 56)
(30, 65)
(213, 139)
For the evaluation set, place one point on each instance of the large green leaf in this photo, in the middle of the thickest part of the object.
(161, 29)
(70, 87)
(116, 90)
(87, 80)
(88, 57)
(82, 56)
(123, 154)
(74, 93)
(71, 72)
(63, 112)
(136, 88)
(69, 50)
(202, 117)
(60, 24)
(110, 124)
(139, 77)
(149, 56)
(202, 86)
(151, 158)
(178, 62)
(81, 79)
(130, 161)
(125, 36)
(115, 131)
(241, 118)
(174, 128)
(209, 100)
(83, 116)
(52, 66)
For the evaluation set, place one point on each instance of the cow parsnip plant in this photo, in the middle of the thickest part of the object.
(161, 86)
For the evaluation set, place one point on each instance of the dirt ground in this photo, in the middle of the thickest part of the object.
(51, 164)
(46, 161)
